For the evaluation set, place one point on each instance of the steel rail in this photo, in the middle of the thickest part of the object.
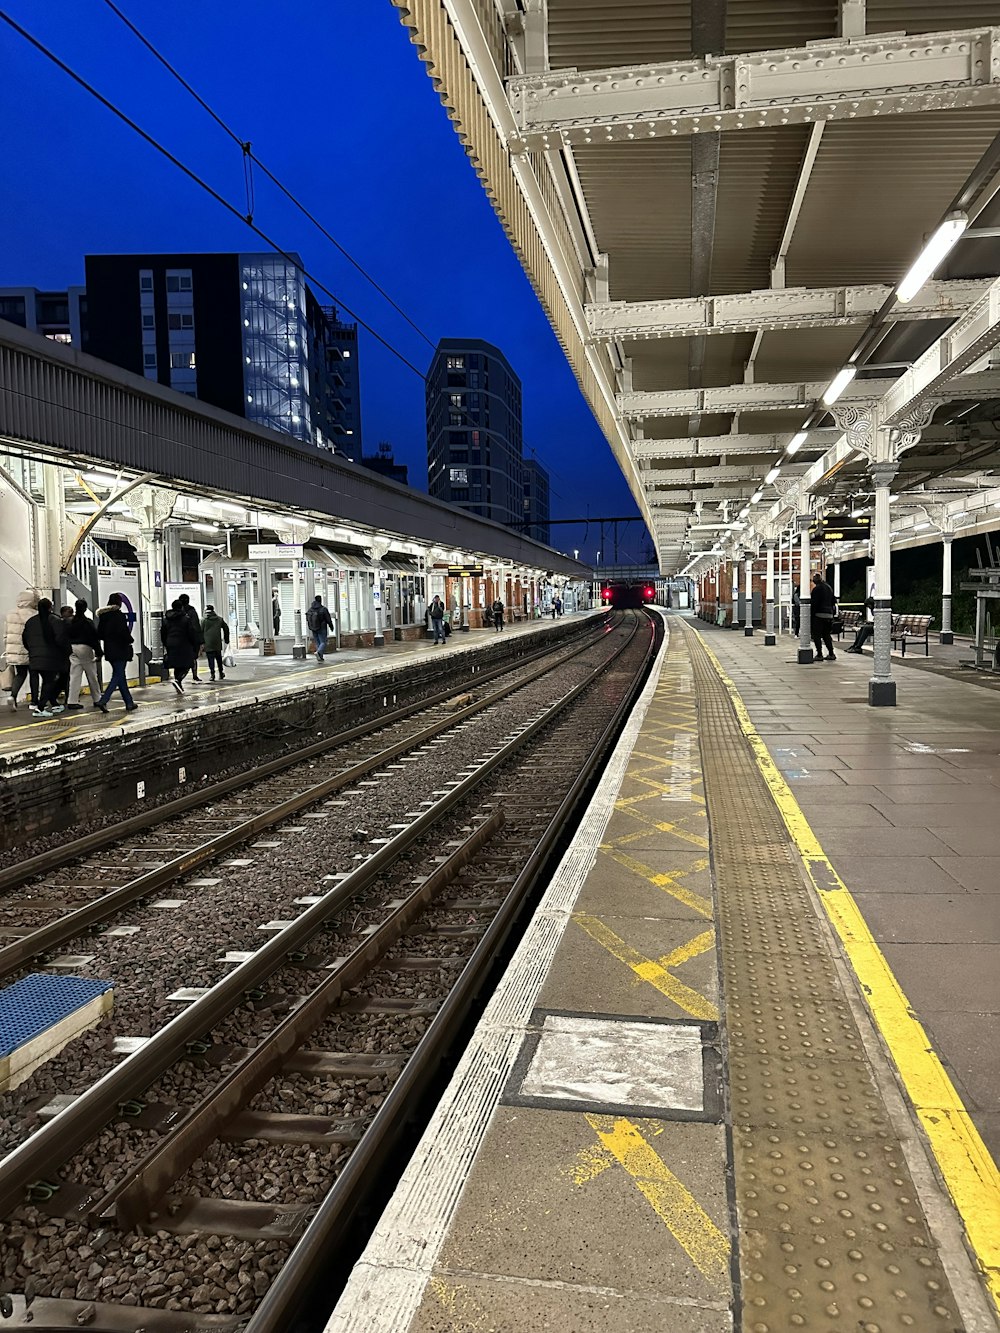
(41, 940)
(74, 1126)
(56, 857)
(353, 1185)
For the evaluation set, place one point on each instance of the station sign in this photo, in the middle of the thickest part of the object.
(842, 527)
(272, 551)
(465, 571)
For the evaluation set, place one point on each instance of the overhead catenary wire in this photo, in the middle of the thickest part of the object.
(252, 159)
(203, 184)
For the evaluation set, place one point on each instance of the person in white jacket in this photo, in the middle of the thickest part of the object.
(14, 651)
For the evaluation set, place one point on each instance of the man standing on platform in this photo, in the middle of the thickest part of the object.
(823, 604)
(320, 624)
(436, 613)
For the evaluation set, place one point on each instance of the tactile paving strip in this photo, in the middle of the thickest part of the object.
(832, 1236)
(37, 1002)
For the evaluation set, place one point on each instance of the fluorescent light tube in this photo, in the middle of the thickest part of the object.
(838, 384)
(772, 475)
(937, 247)
(795, 443)
(756, 498)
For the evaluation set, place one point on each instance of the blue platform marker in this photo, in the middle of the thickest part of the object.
(39, 1001)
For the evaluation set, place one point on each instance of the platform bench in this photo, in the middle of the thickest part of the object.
(851, 623)
(911, 629)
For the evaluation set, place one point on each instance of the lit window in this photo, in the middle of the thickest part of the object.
(347, 354)
(182, 361)
(456, 362)
(58, 337)
(458, 476)
(455, 399)
(454, 418)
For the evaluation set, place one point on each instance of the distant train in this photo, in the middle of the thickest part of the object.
(627, 594)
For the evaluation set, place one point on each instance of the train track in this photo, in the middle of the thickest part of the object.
(292, 1026)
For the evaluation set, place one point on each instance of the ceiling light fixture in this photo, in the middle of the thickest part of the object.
(756, 498)
(838, 384)
(937, 247)
(772, 475)
(795, 443)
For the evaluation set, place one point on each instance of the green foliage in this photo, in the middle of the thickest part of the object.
(922, 597)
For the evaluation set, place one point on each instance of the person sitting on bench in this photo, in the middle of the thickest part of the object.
(865, 630)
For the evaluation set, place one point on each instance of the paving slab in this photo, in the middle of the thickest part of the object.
(933, 918)
(978, 874)
(963, 978)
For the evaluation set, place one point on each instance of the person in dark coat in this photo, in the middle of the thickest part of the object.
(498, 611)
(85, 648)
(180, 642)
(47, 644)
(195, 622)
(796, 611)
(116, 641)
(320, 624)
(436, 613)
(822, 605)
(215, 635)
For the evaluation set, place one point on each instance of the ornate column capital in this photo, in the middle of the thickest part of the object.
(883, 472)
(150, 506)
(947, 537)
(803, 522)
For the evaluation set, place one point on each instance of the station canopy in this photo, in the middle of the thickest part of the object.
(717, 202)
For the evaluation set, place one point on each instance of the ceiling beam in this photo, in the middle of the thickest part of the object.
(776, 308)
(712, 446)
(842, 78)
(639, 403)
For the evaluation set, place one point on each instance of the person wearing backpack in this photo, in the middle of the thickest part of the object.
(498, 612)
(320, 624)
(116, 641)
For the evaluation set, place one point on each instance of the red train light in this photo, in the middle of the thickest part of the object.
(647, 593)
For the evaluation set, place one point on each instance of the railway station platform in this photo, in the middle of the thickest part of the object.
(80, 765)
(741, 1072)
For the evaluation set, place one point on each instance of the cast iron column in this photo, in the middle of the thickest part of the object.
(805, 656)
(748, 596)
(881, 686)
(769, 639)
(946, 635)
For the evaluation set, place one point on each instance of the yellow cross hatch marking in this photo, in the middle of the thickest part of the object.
(646, 969)
(667, 882)
(685, 1219)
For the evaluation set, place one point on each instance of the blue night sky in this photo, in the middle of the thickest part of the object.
(337, 104)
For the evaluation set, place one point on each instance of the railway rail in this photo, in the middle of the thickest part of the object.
(273, 1056)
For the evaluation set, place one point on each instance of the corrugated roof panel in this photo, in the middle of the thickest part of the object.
(757, 174)
(592, 34)
(639, 199)
(764, 25)
(790, 355)
(877, 188)
(930, 15)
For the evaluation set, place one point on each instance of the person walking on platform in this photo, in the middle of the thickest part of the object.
(47, 644)
(866, 629)
(796, 611)
(215, 634)
(181, 642)
(116, 642)
(195, 623)
(14, 651)
(822, 604)
(320, 624)
(436, 613)
(498, 612)
(85, 648)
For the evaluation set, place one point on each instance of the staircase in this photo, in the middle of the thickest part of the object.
(77, 579)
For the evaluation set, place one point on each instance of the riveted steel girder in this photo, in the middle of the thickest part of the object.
(781, 308)
(712, 446)
(838, 79)
(640, 403)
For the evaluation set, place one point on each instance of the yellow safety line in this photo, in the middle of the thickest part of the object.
(699, 945)
(685, 1219)
(969, 1171)
(660, 880)
(646, 969)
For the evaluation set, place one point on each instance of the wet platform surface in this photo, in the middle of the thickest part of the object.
(684, 1108)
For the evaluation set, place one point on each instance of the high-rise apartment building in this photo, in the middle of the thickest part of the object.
(241, 331)
(58, 315)
(474, 430)
(536, 501)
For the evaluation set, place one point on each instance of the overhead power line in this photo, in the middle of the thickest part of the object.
(203, 184)
(248, 152)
